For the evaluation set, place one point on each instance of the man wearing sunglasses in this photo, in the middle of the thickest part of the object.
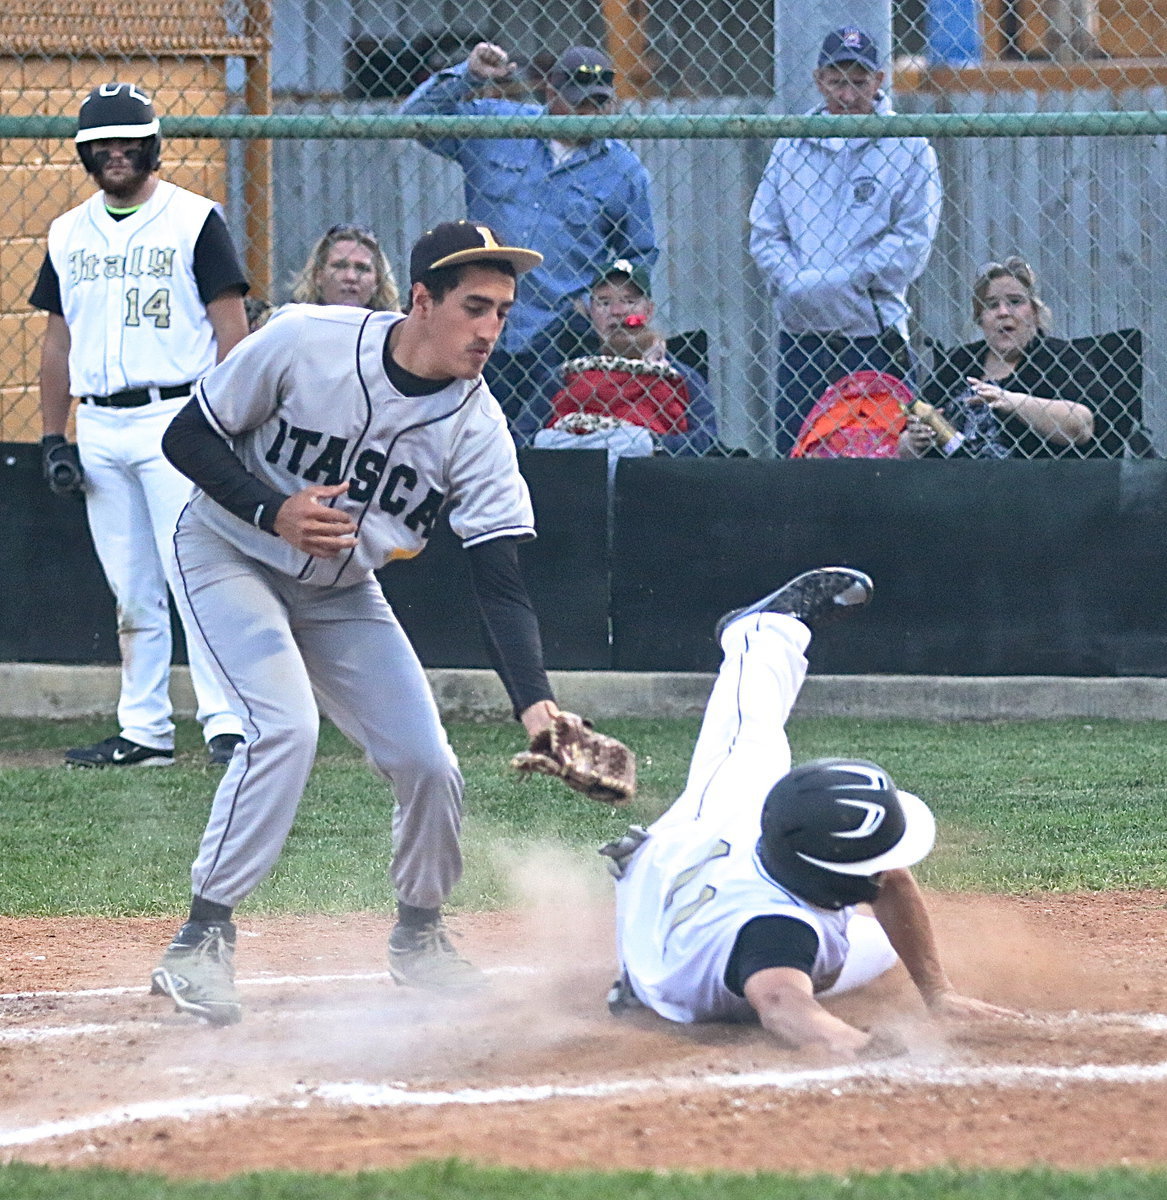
(581, 202)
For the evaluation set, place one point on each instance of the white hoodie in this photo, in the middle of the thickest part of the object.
(840, 227)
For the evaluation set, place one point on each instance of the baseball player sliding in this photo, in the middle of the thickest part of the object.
(741, 899)
(144, 293)
(324, 447)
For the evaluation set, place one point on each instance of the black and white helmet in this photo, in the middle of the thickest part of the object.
(829, 825)
(117, 110)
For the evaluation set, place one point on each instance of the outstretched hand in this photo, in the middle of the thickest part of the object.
(952, 1006)
(306, 522)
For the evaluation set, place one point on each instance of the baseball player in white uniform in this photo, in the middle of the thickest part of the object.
(324, 447)
(740, 900)
(144, 293)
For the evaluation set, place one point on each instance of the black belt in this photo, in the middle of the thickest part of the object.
(137, 397)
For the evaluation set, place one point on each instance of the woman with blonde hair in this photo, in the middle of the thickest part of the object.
(1015, 393)
(347, 266)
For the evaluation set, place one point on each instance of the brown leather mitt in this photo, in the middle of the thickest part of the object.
(601, 767)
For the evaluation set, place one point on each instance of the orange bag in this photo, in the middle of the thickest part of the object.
(859, 416)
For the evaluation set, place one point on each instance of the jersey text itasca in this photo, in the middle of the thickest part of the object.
(405, 458)
(296, 447)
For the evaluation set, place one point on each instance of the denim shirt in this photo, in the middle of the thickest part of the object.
(580, 215)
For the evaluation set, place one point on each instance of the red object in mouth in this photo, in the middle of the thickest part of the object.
(635, 321)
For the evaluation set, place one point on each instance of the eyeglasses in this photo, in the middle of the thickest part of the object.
(589, 76)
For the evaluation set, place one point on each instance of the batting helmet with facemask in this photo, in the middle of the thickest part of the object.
(118, 110)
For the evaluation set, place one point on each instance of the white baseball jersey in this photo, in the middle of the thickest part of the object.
(129, 295)
(692, 886)
(406, 458)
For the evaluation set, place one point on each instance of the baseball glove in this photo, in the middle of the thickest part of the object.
(61, 465)
(601, 767)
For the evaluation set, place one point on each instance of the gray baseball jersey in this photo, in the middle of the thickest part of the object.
(306, 400)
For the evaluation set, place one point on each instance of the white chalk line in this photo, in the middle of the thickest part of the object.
(30, 1035)
(256, 981)
(835, 1080)
(149, 1110)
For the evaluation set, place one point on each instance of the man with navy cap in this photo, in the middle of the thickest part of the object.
(581, 202)
(839, 227)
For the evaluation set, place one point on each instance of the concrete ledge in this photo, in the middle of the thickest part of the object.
(52, 691)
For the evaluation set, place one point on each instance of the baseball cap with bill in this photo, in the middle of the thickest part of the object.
(455, 242)
(849, 45)
(635, 273)
(583, 73)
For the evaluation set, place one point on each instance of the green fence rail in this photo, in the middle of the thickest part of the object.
(647, 126)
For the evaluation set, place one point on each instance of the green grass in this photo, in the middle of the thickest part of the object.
(458, 1181)
(1024, 806)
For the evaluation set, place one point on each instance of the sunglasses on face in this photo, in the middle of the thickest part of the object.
(358, 231)
(1011, 266)
(589, 76)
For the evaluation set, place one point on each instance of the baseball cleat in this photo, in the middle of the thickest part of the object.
(425, 958)
(621, 997)
(221, 748)
(118, 752)
(198, 972)
(814, 597)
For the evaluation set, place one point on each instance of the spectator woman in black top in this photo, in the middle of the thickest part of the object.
(1017, 393)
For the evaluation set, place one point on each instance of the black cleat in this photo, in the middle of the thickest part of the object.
(814, 597)
(221, 748)
(118, 751)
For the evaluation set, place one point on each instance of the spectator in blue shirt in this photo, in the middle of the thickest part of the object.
(581, 203)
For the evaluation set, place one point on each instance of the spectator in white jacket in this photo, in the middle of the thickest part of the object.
(839, 228)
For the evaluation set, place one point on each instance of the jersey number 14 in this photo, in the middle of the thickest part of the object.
(156, 308)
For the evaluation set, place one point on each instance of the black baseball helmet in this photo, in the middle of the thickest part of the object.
(118, 110)
(829, 825)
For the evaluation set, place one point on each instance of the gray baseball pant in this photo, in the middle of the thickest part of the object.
(275, 642)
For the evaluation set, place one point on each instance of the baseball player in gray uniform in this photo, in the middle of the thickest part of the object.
(144, 293)
(740, 900)
(324, 447)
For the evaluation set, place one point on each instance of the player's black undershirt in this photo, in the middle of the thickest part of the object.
(771, 941)
(193, 446)
(216, 267)
(406, 382)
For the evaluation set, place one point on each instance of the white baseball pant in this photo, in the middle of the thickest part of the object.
(133, 497)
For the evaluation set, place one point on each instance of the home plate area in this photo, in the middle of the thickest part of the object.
(336, 1069)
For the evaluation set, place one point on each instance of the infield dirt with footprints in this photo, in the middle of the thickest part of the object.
(354, 1073)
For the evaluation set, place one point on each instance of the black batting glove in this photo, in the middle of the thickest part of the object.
(62, 465)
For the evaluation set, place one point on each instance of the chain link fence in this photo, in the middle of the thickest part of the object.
(801, 295)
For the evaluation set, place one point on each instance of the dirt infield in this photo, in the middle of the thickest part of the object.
(335, 1069)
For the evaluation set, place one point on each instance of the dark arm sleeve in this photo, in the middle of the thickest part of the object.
(217, 268)
(509, 624)
(46, 294)
(768, 942)
(192, 445)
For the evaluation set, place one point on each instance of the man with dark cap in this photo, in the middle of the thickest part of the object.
(839, 228)
(740, 901)
(581, 202)
(323, 449)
